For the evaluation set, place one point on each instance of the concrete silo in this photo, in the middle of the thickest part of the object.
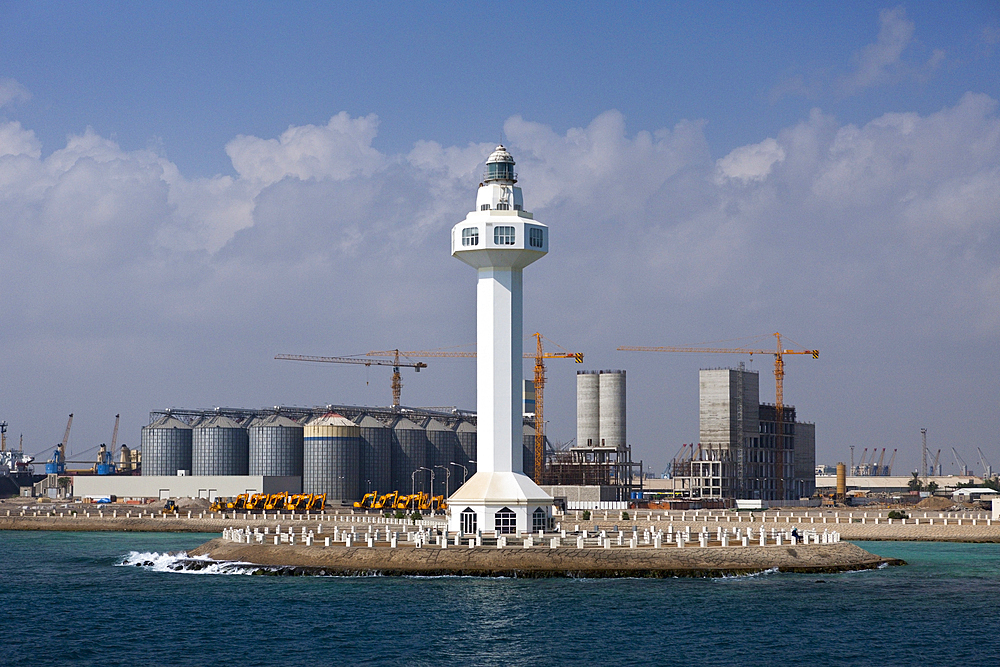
(612, 409)
(588, 414)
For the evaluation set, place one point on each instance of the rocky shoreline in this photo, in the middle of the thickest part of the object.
(538, 562)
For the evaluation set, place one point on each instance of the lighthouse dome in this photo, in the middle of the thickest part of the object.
(500, 166)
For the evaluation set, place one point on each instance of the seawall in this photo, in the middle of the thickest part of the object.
(516, 561)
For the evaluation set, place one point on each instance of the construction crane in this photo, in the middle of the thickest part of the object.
(934, 466)
(397, 382)
(540, 356)
(779, 377)
(960, 462)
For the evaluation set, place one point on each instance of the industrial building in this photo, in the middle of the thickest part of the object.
(340, 450)
(597, 472)
(744, 452)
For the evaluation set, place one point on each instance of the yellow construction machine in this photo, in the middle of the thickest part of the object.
(388, 501)
(275, 501)
(318, 502)
(367, 501)
(438, 504)
(219, 504)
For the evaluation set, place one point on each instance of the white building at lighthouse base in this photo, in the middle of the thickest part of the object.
(500, 502)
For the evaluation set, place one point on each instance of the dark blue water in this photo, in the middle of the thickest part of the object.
(65, 602)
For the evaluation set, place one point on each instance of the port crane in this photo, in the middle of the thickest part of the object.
(987, 468)
(779, 377)
(397, 381)
(57, 464)
(539, 356)
(960, 462)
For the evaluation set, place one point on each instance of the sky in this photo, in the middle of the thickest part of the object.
(187, 190)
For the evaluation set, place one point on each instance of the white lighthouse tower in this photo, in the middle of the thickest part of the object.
(499, 238)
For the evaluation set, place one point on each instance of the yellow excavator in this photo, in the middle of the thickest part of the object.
(318, 502)
(388, 501)
(275, 501)
(367, 502)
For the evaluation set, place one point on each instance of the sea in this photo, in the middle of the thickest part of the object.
(108, 599)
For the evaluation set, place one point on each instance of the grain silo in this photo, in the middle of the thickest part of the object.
(219, 446)
(409, 453)
(442, 443)
(612, 409)
(376, 455)
(275, 447)
(166, 447)
(331, 458)
(465, 453)
(588, 414)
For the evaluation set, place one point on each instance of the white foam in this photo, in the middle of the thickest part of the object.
(183, 563)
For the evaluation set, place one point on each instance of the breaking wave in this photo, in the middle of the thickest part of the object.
(182, 562)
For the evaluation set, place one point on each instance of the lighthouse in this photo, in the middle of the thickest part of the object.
(499, 239)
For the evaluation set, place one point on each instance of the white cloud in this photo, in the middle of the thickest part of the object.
(751, 163)
(15, 140)
(12, 91)
(886, 232)
(338, 150)
(875, 63)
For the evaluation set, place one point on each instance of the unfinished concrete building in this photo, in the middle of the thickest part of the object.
(741, 455)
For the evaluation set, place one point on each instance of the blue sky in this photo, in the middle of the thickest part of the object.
(189, 190)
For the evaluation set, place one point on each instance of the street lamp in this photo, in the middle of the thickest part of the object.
(447, 481)
(413, 482)
(432, 477)
(465, 476)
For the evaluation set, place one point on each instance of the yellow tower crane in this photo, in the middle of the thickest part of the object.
(779, 378)
(540, 356)
(397, 382)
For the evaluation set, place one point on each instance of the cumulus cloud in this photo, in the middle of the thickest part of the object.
(751, 163)
(338, 150)
(322, 244)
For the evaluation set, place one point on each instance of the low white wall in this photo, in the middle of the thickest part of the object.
(156, 486)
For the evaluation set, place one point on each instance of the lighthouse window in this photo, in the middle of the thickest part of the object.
(538, 520)
(484, 207)
(535, 238)
(470, 236)
(503, 235)
(503, 206)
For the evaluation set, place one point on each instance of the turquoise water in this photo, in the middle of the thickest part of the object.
(66, 602)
